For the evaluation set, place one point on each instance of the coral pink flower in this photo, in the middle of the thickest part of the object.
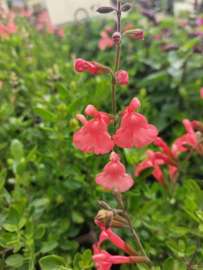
(114, 175)
(81, 65)
(134, 129)
(110, 30)
(1, 83)
(189, 138)
(105, 41)
(60, 32)
(152, 161)
(93, 136)
(201, 92)
(122, 77)
(11, 27)
(128, 26)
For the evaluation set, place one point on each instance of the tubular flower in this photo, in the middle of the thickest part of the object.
(93, 136)
(197, 125)
(152, 161)
(122, 77)
(201, 92)
(105, 41)
(169, 158)
(134, 129)
(81, 65)
(189, 138)
(114, 175)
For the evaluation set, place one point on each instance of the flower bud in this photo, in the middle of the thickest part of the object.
(118, 197)
(197, 125)
(134, 34)
(126, 7)
(187, 145)
(198, 136)
(74, 124)
(103, 215)
(105, 9)
(62, 109)
(101, 69)
(139, 259)
(104, 205)
(122, 77)
(119, 225)
(116, 37)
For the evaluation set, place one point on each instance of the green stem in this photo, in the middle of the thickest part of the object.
(195, 253)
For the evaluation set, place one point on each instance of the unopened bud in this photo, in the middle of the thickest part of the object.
(105, 9)
(119, 225)
(120, 219)
(108, 223)
(126, 7)
(187, 145)
(134, 34)
(101, 69)
(122, 77)
(103, 215)
(197, 125)
(118, 197)
(62, 109)
(198, 136)
(104, 205)
(139, 259)
(74, 123)
(116, 37)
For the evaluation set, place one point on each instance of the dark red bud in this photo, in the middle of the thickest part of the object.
(126, 7)
(116, 37)
(105, 9)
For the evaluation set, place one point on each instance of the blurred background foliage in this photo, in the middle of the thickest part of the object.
(49, 197)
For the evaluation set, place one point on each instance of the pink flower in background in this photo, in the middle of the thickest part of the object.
(1, 83)
(114, 175)
(25, 13)
(169, 47)
(183, 22)
(128, 26)
(199, 21)
(134, 128)
(157, 37)
(201, 92)
(81, 65)
(122, 77)
(93, 136)
(167, 32)
(199, 32)
(152, 161)
(11, 27)
(105, 41)
(189, 138)
(60, 32)
(109, 30)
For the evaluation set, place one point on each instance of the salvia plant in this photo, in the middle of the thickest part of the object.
(130, 129)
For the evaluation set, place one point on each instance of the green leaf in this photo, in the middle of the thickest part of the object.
(21, 167)
(48, 246)
(71, 107)
(142, 266)
(76, 260)
(201, 227)
(17, 247)
(31, 153)
(14, 215)
(9, 227)
(17, 149)
(197, 192)
(15, 260)
(180, 230)
(144, 173)
(156, 77)
(190, 44)
(172, 245)
(62, 89)
(191, 215)
(133, 192)
(87, 256)
(45, 114)
(77, 217)
(200, 215)
(3, 175)
(3, 145)
(52, 262)
(181, 245)
(39, 231)
(29, 227)
(168, 264)
(196, 232)
(190, 250)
